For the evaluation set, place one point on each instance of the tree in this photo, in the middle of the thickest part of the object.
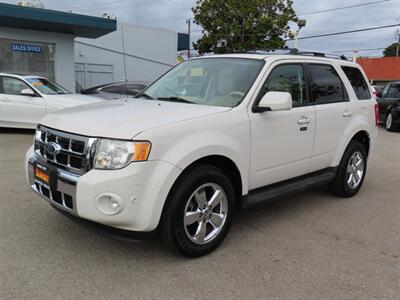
(242, 25)
(391, 50)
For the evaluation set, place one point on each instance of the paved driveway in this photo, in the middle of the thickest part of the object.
(311, 246)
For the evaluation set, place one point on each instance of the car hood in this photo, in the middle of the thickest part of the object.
(123, 119)
(69, 100)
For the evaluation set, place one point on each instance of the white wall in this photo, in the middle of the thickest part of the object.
(64, 64)
(148, 52)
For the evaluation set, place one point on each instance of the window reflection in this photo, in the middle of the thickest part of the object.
(327, 86)
(24, 57)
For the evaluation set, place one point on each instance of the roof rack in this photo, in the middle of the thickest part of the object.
(294, 51)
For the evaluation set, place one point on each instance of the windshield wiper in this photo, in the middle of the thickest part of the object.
(144, 95)
(175, 99)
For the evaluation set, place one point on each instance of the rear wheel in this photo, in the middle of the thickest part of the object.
(351, 171)
(199, 211)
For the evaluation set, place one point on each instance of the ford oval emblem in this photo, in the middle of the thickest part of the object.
(53, 148)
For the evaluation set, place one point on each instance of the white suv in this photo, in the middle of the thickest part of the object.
(213, 134)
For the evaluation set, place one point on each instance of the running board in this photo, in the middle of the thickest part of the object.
(287, 188)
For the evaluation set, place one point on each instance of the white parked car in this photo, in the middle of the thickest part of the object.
(25, 100)
(211, 135)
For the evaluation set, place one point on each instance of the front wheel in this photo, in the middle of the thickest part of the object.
(199, 211)
(351, 171)
(390, 126)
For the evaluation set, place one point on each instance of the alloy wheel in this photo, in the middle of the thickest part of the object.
(205, 213)
(355, 170)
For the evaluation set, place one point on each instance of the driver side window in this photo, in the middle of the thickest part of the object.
(287, 78)
(13, 86)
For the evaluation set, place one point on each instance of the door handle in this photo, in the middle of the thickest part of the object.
(303, 120)
(347, 114)
(5, 100)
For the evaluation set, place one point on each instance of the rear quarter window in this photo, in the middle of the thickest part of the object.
(358, 83)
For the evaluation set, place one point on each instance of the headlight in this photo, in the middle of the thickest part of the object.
(115, 154)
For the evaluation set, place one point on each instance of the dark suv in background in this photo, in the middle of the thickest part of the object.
(389, 106)
(116, 90)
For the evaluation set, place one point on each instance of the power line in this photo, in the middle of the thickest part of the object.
(341, 8)
(358, 50)
(345, 32)
(126, 4)
(333, 9)
(98, 5)
(325, 34)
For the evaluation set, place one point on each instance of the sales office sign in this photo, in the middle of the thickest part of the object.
(26, 48)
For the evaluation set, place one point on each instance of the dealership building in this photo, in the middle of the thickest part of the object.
(80, 51)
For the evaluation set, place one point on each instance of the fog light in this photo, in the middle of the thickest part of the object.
(109, 204)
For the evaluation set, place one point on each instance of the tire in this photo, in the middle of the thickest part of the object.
(343, 185)
(389, 124)
(195, 186)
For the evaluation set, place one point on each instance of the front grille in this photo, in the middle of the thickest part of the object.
(62, 199)
(74, 152)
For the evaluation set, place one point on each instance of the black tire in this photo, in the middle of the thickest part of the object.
(172, 228)
(339, 186)
(391, 126)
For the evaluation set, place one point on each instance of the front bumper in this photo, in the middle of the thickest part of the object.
(64, 198)
(141, 187)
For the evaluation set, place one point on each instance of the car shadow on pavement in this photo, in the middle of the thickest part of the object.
(16, 131)
(152, 247)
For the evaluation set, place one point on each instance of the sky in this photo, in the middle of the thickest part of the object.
(172, 14)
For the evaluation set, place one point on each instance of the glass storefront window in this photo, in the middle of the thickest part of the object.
(24, 57)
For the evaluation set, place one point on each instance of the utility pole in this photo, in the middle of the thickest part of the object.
(189, 23)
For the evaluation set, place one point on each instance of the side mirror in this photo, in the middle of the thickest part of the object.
(28, 92)
(273, 101)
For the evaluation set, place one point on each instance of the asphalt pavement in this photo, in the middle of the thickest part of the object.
(309, 246)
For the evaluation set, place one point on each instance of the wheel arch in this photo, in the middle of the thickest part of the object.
(361, 135)
(225, 164)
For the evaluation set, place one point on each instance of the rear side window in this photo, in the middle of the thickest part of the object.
(358, 83)
(326, 85)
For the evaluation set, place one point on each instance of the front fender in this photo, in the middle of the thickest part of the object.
(192, 148)
(183, 143)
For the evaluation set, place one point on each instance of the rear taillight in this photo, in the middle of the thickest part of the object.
(376, 114)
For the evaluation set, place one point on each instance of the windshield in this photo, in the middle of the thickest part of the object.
(47, 87)
(207, 81)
